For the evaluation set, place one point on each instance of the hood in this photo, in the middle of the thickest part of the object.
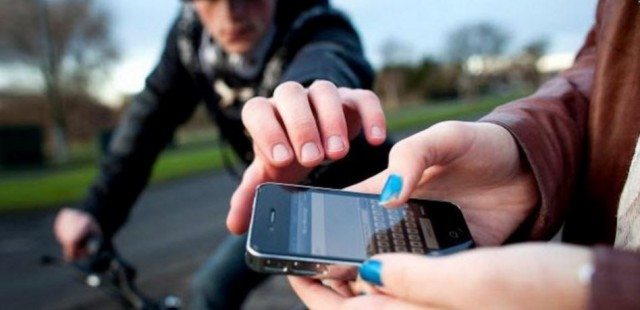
(287, 11)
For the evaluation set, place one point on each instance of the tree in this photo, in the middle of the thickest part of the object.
(531, 53)
(396, 61)
(395, 53)
(484, 38)
(69, 41)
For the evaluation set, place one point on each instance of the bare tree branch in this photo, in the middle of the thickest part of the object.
(482, 38)
(68, 40)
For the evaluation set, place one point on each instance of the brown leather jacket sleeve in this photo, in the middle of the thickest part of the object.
(616, 280)
(550, 128)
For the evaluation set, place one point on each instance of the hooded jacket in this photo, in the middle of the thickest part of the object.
(310, 41)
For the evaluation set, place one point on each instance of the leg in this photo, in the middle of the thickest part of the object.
(224, 281)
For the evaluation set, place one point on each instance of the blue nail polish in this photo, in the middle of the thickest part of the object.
(391, 189)
(370, 271)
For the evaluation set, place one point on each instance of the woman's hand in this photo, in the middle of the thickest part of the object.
(298, 129)
(535, 275)
(476, 165)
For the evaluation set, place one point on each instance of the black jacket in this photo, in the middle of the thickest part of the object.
(311, 41)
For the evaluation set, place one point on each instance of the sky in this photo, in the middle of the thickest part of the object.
(140, 27)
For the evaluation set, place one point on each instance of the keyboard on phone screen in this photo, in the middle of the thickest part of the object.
(395, 230)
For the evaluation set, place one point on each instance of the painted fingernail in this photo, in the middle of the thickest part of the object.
(371, 271)
(310, 152)
(280, 152)
(377, 132)
(334, 144)
(391, 189)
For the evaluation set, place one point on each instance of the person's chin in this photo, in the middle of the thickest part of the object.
(239, 47)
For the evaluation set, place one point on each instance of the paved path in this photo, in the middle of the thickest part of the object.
(174, 228)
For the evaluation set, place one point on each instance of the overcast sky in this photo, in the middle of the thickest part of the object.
(141, 25)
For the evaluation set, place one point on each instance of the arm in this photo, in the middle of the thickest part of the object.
(297, 129)
(327, 47)
(550, 128)
(168, 99)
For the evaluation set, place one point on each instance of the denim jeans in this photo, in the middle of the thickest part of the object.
(225, 280)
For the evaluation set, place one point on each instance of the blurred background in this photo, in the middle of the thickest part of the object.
(68, 68)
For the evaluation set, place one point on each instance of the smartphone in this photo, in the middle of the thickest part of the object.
(327, 233)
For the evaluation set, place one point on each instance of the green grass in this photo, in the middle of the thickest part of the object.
(54, 187)
(43, 190)
(424, 115)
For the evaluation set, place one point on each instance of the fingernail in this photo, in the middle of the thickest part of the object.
(377, 132)
(280, 152)
(370, 271)
(310, 152)
(334, 144)
(391, 189)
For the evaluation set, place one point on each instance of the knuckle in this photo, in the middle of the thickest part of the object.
(457, 132)
(288, 88)
(331, 117)
(399, 148)
(376, 117)
(455, 128)
(322, 85)
(304, 130)
(251, 106)
(302, 123)
(368, 97)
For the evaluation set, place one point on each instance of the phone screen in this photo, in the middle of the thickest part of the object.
(352, 226)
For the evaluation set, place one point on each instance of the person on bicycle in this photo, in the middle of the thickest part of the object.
(222, 53)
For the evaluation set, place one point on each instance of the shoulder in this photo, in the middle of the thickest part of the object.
(183, 40)
(187, 23)
(187, 33)
(319, 18)
(321, 24)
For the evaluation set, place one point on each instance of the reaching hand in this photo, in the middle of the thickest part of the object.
(296, 130)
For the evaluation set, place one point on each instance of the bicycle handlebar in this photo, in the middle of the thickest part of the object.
(104, 268)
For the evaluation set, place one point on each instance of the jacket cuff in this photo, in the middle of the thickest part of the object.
(616, 281)
(99, 213)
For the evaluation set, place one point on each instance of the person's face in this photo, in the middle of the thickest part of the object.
(236, 25)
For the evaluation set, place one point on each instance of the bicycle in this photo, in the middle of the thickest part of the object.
(106, 270)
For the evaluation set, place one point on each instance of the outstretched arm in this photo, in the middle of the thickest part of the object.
(168, 99)
(312, 118)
